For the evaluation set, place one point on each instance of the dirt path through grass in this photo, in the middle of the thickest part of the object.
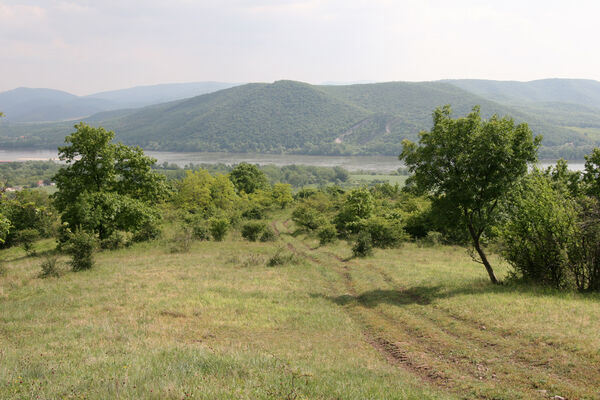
(461, 355)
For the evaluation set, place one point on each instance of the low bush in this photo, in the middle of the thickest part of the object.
(117, 240)
(26, 238)
(81, 246)
(432, 238)
(384, 233)
(282, 257)
(268, 235)
(218, 227)
(363, 246)
(49, 267)
(307, 217)
(181, 241)
(326, 234)
(200, 228)
(251, 230)
(148, 231)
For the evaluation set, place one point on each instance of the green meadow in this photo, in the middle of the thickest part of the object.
(217, 322)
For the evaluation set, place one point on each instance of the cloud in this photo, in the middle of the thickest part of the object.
(90, 45)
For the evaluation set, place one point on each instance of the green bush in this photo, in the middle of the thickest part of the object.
(181, 241)
(540, 226)
(49, 267)
(218, 227)
(252, 230)
(254, 212)
(26, 238)
(81, 246)
(199, 227)
(433, 238)
(282, 257)
(268, 235)
(148, 231)
(117, 240)
(307, 217)
(358, 205)
(327, 234)
(363, 246)
(384, 232)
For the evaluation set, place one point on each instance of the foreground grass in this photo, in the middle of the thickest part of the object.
(218, 323)
(212, 323)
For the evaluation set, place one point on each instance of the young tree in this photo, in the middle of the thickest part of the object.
(248, 178)
(467, 164)
(105, 186)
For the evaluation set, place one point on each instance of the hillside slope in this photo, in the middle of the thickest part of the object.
(575, 91)
(40, 105)
(295, 117)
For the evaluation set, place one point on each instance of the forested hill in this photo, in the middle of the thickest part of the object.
(295, 117)
(584, 92)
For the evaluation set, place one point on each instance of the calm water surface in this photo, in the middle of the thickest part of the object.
(351, 163)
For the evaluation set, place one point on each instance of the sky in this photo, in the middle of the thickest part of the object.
(87, 46)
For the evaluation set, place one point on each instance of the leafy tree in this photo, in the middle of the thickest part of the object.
(467, 164)
(248, 178)
(106, 186)
(282, 194)
(591, 175)
(357, 205)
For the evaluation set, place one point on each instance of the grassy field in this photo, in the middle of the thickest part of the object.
(218, 323)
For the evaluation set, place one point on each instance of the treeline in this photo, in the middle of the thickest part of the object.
(296, 175)
(27, 173)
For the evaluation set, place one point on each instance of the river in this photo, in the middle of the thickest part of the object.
(382, 164)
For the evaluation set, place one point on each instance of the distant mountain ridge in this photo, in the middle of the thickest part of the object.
(584, 92)
(296, 117)
(47, 105)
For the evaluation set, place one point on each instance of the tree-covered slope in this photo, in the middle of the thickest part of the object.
(576, 91)
(295, 117)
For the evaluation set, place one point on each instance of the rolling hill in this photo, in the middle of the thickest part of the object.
(584, 92)
(48, 105)
(295, 117)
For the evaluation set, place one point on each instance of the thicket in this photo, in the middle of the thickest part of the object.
(550, 232)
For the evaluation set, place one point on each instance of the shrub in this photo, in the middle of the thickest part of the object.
(218, 227)
(357, 205)
(81, 246)
(432, 238)
(26, 238)
(252, 230)
(200, 229)
(117, 240)
(49, 267)
(384, 232)
(540, 227)
(584, 253)
(327, 234)
(268, 235)
(148, 231)
(282, 257)
(182, 241)
(363, 245)
(254, 212)
(307, 217)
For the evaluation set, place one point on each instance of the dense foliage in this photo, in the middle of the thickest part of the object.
(105, 187)
(467, 164)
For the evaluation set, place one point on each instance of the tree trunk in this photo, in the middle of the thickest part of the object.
(484, 259)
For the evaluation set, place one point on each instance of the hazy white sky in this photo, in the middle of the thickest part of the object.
(92, 45)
